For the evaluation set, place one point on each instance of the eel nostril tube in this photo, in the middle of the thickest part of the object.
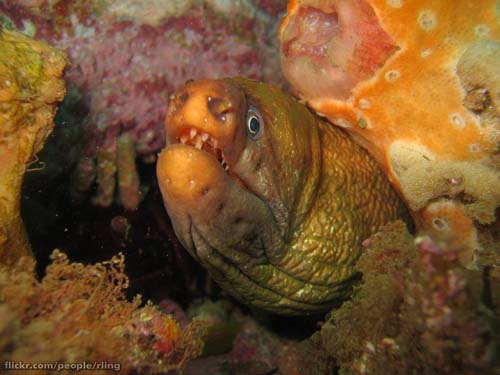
(219, 107)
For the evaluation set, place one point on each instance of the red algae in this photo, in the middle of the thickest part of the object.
(81, 310)
(127, 57)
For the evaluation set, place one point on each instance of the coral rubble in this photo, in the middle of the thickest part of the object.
(416, 83)
(128, 56)
(84, 315)
(30, 87)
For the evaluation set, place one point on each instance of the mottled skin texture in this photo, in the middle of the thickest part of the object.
(281, 229)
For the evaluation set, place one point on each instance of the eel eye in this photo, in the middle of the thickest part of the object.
(254, 123)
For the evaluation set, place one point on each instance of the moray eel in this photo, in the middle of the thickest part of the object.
(272, 200)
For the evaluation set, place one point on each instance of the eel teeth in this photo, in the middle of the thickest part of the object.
(198, 143)
(192, 133)
(200, 139)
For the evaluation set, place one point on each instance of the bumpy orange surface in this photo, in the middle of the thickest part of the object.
(31, 84)
(430, 114)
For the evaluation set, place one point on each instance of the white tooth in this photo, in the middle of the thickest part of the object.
(192, 133)
(198, 142)
(204, 137)
(184, 138)
(216, 143)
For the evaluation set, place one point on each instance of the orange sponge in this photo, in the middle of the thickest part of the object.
(429, 112)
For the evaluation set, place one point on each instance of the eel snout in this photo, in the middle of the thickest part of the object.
(205, 138)
(203, 127)
(208, 115)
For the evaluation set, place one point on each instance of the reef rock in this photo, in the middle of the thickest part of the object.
(439, 318)
(30, 87)
(416, 311)
(417, 84)
(128, 56)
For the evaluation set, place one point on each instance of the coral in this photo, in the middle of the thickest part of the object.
(128, 178)
(417, 84)
(255, 344)
(417, 310)
(149, 12)
(127, 56)
(235, 343)
(232, 332)
(84, 315)
(273, 7)
(30, 87)
(306, 357)
(106, 170)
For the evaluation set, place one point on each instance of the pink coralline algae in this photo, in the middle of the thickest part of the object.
(127, 56)
(273, 7)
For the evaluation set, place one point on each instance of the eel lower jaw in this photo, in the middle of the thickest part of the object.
(199, 194)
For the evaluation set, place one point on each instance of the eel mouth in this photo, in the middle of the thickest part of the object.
(203, 141)
(209, 116)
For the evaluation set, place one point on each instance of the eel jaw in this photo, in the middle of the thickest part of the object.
(208, 115)
(200, 196)
(192, 183)
(203, 141)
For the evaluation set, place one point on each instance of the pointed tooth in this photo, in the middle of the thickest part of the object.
(198, 143)
(192, 133)
(216, 143)
(184, 139)
(204, 137)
